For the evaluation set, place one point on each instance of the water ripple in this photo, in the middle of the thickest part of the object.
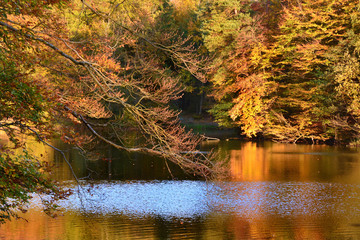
(190, 199)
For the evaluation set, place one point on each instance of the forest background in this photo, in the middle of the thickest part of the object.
(90, 71)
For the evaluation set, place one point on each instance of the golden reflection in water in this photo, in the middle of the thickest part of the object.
(75, 226)
(299, 228)
(36, 226)
(284, 162)
(36, 148)
(248, 163)
(271, 227)
(60, 170)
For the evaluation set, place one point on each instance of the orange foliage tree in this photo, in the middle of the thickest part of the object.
(105, 65)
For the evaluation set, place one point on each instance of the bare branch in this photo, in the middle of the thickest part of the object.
(203, 168)
(160, 125)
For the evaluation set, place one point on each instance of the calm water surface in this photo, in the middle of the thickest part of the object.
(276, 191)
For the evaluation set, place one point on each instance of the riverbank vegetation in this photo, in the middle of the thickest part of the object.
(286, 70)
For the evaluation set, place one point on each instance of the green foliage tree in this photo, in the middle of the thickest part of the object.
(21, 174)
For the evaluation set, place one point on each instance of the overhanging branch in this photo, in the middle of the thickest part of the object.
(198, 167)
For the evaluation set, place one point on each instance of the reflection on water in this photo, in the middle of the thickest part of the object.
(180, 209)
(269, 161)
(277, 191)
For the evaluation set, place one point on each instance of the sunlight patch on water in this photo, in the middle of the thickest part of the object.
(184, 199)
(191, 199)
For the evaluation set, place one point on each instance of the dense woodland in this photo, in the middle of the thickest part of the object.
(286, 70)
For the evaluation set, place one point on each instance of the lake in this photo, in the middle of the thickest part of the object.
(276, 191)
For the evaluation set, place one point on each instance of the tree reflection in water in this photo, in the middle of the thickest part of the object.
(277, 191)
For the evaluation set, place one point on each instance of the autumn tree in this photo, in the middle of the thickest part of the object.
(345, 75)
(282, 68)
(306, 104)
(234, 33)
(97, 64)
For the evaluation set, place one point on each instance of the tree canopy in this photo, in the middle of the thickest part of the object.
(279, 69)
(110, 66)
